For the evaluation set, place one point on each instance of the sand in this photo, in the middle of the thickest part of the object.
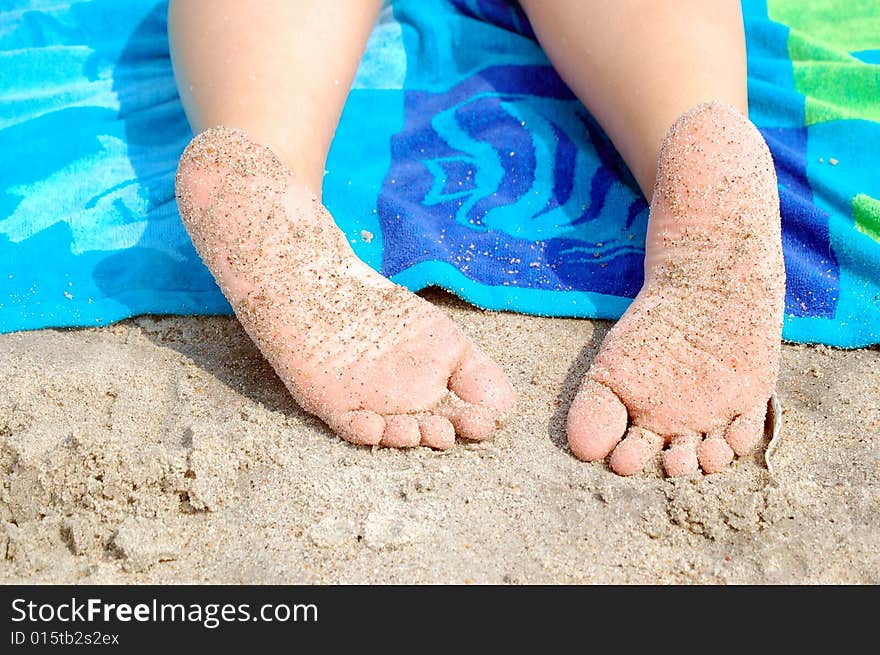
(166, 450)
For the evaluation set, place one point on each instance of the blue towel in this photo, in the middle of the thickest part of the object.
(460, 151)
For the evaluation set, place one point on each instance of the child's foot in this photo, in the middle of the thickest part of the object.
(377, 363)
(693, 361)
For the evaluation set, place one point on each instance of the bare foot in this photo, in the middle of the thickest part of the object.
(694, 360)
(377, 363)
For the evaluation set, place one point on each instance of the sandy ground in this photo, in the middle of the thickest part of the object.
(165, 450)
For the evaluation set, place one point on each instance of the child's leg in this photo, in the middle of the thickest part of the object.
(638, 65)
(280, 72)
(694, 360)
(377, 363)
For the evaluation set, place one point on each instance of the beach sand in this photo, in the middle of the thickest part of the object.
(165, 450)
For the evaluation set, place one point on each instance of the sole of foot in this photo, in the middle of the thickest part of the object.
(687, 371)
(380, 365)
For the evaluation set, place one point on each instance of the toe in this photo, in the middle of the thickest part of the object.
(472, 421)
(480, 381)
(714, 454)
(681, 456)
(636, 450)
(436, 432)
(746, 430)
(596, 421)
(401, 431)
(360, 426)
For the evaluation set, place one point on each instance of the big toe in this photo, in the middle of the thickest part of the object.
(481, 396)
(596, 421)
(480, 381)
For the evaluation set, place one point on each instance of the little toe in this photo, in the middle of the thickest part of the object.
(596, 421)
(401, 431)
(436, 432)
(360, 426)
(480, 381)
(746, 430)
(681, 456)
(636, 450)
(714, 454)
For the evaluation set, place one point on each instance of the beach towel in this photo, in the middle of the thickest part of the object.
(461, 161)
